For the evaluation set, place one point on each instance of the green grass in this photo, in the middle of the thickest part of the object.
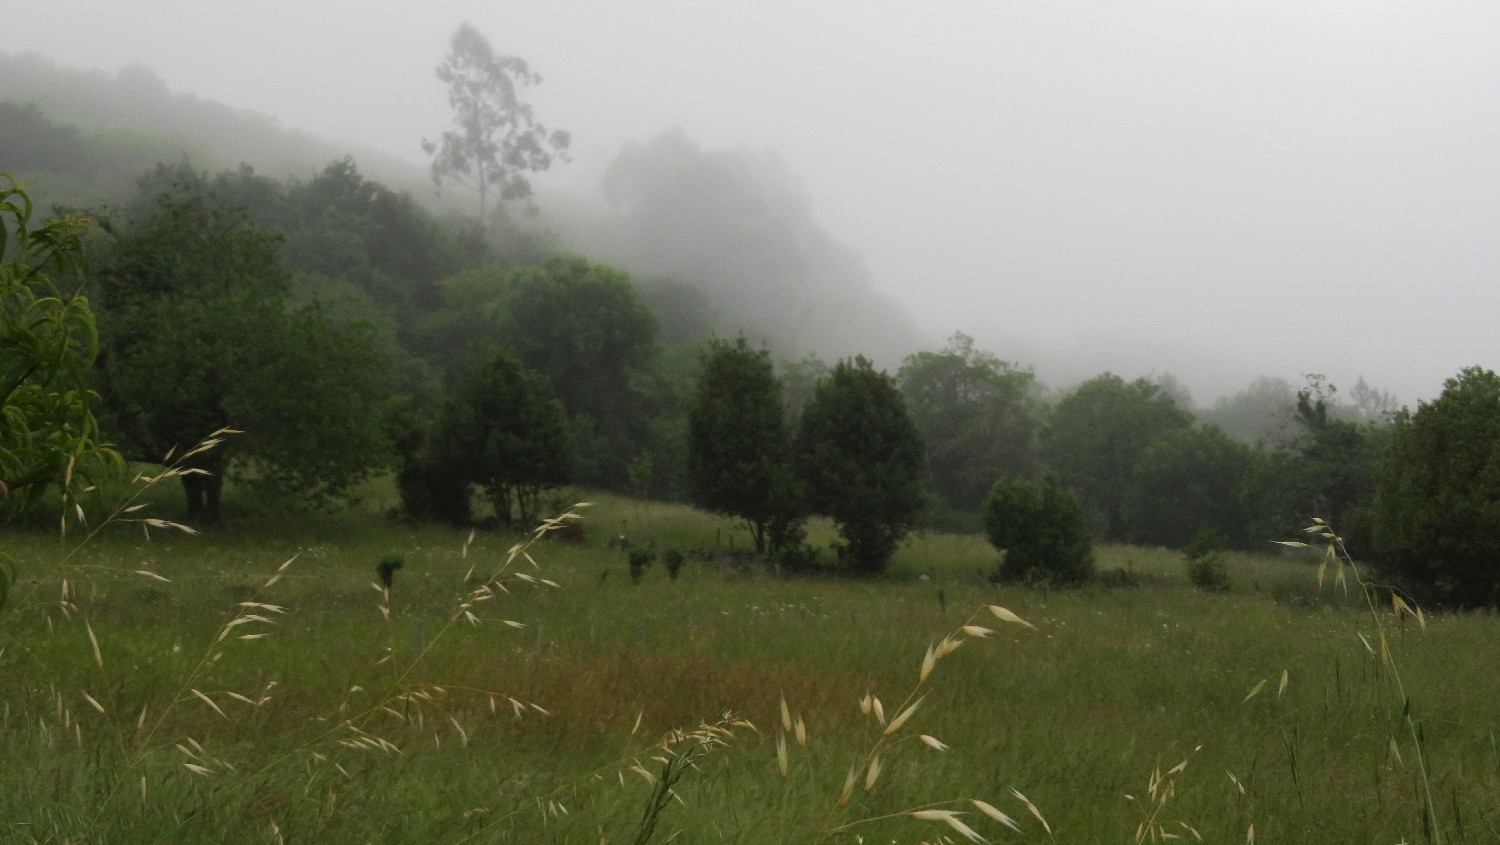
(1076, 714)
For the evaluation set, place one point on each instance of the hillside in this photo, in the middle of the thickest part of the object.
(108, 128)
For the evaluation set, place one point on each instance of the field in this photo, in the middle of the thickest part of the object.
(361, 742)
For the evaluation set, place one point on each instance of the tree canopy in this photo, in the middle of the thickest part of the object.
(582, 325)
(1095, 435)
(1189, 480)
(739, 450)
(197, 337)
(48, 341)
(976, 418)
(502, 428)
(1437, 508)
(496, 140)
(860, 456)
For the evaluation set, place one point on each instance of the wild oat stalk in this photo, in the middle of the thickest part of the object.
(869, 763)
(1337, 555)
(678, 752)
(1161, 788)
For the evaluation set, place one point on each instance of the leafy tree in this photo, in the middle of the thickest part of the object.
(739, 455)
(860, 457)
(684, 310)
(1261, 414)
(976, 418)
(1041, 529)
(582, 326)
(497, 140)
(503, 429)
(1437, 509)
(197, 337)
(340, 225)
(48, 434)
(1325, 468)
(1191, 480)
(799, 381)
(1095, 435)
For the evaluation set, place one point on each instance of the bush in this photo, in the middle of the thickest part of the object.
(1041, 529)
(640, 561)
(1204, 556)
(673, 560)
(1437, 503)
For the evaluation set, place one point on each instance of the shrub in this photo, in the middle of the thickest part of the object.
(1041, 529)
(640, 561)
(387, 569)
(673, 560)
(1204, 556)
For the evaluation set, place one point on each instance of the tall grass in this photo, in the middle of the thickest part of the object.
(1292, 712)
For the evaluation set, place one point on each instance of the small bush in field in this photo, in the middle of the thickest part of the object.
(1041, 528)
(387, 569)
(640, 560)
(1204, 556)
(673, 560)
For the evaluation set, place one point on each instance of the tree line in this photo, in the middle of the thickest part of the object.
(349, 333)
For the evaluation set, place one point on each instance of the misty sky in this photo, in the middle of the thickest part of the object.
(1218, 189)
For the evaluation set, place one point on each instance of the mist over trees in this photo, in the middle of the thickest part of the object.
(131, 121)
(496, 140)
(353, 331)
(737, 225)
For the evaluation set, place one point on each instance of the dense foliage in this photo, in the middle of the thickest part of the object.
(860, 456)
(1189, 480)
(976, 417)
(1041, 530)
(1437, 510)
(198, 336)
(1095, 436)
(739, 449)
(502, 428)
(48, 341)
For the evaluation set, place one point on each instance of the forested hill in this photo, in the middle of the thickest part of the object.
(109, 128)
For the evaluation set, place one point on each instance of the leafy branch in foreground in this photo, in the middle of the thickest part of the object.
(48, 343)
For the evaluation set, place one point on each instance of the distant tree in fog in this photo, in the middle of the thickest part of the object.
(739, 449)
(497, 140)
(976, 417)
(1096, 434)
(861, 458)
(1189, 480)
(1260, 414)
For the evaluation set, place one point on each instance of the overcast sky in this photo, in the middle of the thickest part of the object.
(1214, 188)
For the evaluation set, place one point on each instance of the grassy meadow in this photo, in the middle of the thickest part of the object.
(360, 742)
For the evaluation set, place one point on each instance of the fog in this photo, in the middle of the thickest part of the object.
(1218, 190)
